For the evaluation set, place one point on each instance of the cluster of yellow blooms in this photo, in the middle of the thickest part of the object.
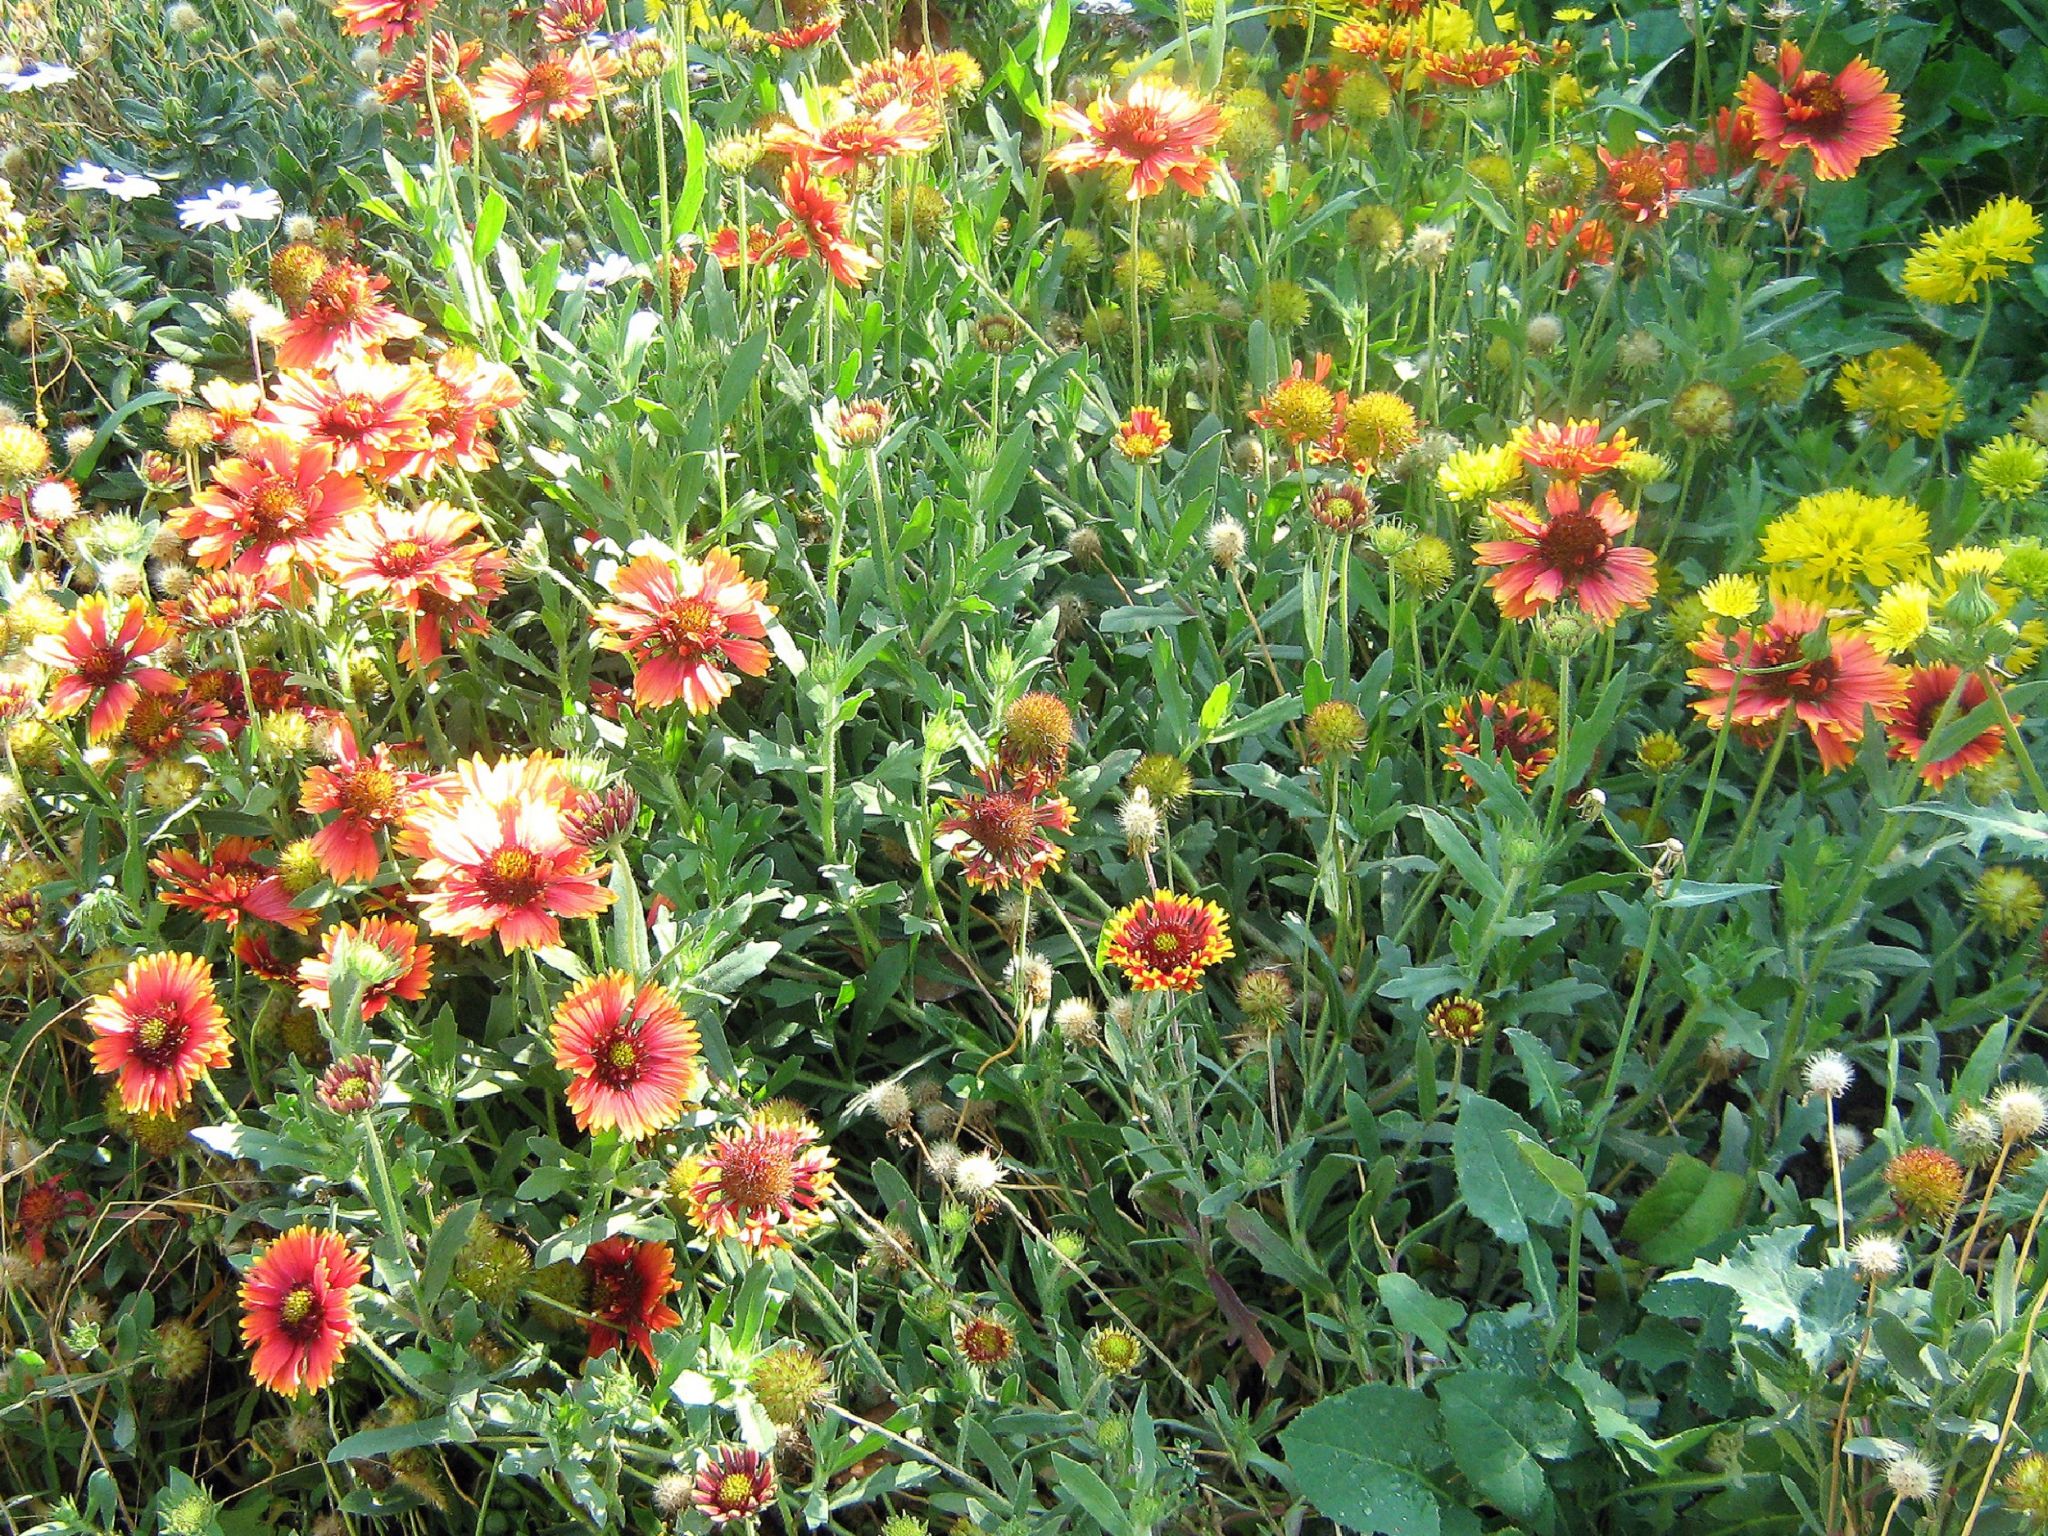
(1952, 265)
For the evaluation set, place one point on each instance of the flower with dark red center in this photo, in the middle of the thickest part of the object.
(160, 1029)
(683, 625)
(365, 793)
(570, 21)
(1571, 451)
(1585, 240)
(296, 1312)
(371, 414)
(1038, 732)
(1158, 132)
(1165, 942)
(859, 139)
(734, 1483)
(272, 504)
(760, 1184)
(603, 817)
(628, 1278)
(1645, 182)
(404, 966)
(227, 885)
(352, 1086)
(1314, 93)
(1458, 1019)
(421, 562)
(171, 724)
(1756, 678)
(1476, 67)
(1346, 507)
(520, 101)
(985, 1341)
(1942, 694)
(343, 319)
(1842, 119)
(631, 1054)
(999, 834)
(1523, 737)
(98, 658)
(39, 1209)
(1569, 551)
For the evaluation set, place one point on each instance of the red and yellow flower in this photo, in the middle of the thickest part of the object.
(1166, 942)
(1524, 737)
(1841, 119)
(628, 1278)
(422, 562)
(1158, 132)
(370, 414)
(410, 962)
(272, 504)
(1570, 550)
(1938, 696)
(683, 625)
(99, 658)
(227, 885)
(631, 1054)
(521, 101)
(1000, 833)
(1758, 678)
(342, 320)
(296, 1311)
(366, 794)
(760, 1184)
(158, 1030)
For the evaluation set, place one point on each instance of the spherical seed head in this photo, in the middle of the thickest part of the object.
(1849, 1143)
(1876, 1257)
(1085, 546)
(1115, 1351)
(944, 1157)
(985, 1341)
(1781, 381)
(1828, 1074)
(1076, 1021)
(188, 429)
(1974, 1136)
(24, 453)
(1926, 1182)
(978, 1176)
(2007, 901)
(889, 1103)
(1285, 305)
(492, 1266)
(671, 1495)
(1704, 411)
(1032, 975)
(1266, 997)
(1302, 410)
(1458, 1019)
(1424, 566)
(1333, 731)
(298, 867)
(1140, 822)
(1910, 1477)
(2020, 1111)
(1638, 353)
(789, 1383)
(1226, 542)
(173, 376)
(1165, 778)
(2025, 1486)
(181, 1351)
(1038, 732)
(1544, 334)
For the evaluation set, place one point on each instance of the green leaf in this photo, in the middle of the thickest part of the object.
(1088, 1490)
(1415, 1311)
(447, 1242)
(1360, 1458)
(1688, 1206)
(1766, 1276)
(1557, 1172)
(1501, 1429)
(1496, 1181)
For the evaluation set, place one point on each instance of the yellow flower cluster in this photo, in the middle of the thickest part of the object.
(1901, 392)
(1831, 541)
(1952, 265)
(1471, 474)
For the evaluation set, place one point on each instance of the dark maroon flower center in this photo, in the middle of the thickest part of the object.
(1575, 544)
(513, 877)
(160, 1034)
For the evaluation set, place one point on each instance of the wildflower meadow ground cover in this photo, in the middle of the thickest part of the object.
(1033, 766)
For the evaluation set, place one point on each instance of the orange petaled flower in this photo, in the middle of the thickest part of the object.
(628, 1279)
(172, 724)
(999, 833)
(1573, 451)
(682, 625)
(1300, 408)
(1158, 132)
(389, 21)
(463, 399)
(570, 21)
(272, 504)
(1164, 942)
(820, 219)
(923, 77)
(519, 101)
(296, 1312)
(1476, 67)
(343, 319)
(366, 794)
(411, 964)
(1586, 240)
(497, 858)
(630, 1052)
(40, 1208)
(1314, 93)
(228, 885)
(443, 58)
(760, 1184)
(1523, 737)
(1757, 678)
(98, 657)
(1143, 435)
(1842, 119)
(762, 247)
(1570, 550)
(372, 414)
(859, 139)
(1645, 182)
(790, 39)
(160, 1029)
(1932, 696)
(422, 562)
